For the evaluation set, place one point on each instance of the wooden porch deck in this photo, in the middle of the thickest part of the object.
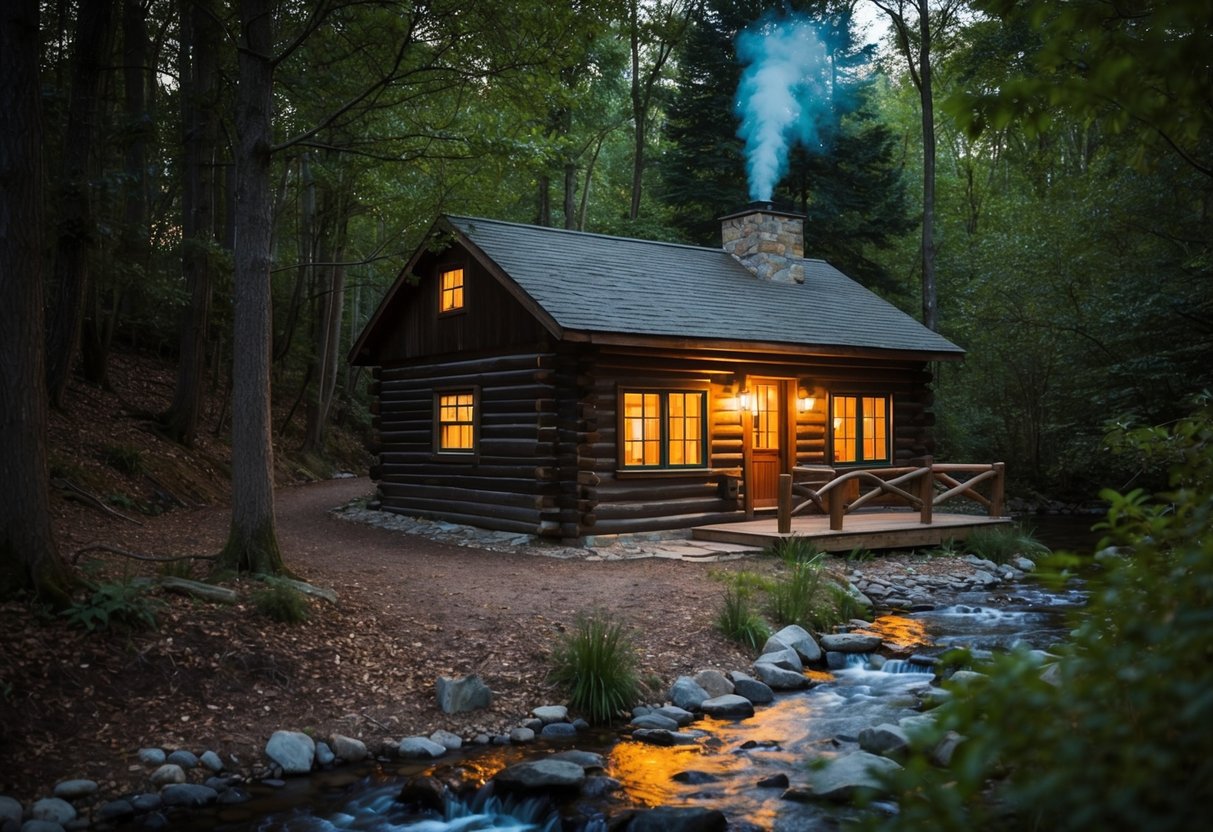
(867, 529)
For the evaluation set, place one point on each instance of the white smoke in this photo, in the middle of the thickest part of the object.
(784, 91)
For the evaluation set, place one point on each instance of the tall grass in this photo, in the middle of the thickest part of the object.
(596, 663)
(737, 618)
(1003, 543)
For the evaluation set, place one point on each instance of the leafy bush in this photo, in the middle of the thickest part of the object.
(125, 458)
(1003, 543)
(596, 663)
(115, 606)
(1115, 735)
(281, 602)
(738, 620)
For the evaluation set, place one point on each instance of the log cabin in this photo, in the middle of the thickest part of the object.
(569, 384)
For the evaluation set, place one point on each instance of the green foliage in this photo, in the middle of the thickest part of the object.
(176, 569)
(117, 606)
(124, 458)
(738, 619)
(281, 602)
(596, 663)
(1001, 544)
(1114, 735)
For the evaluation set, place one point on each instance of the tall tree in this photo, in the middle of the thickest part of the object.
(29, 559)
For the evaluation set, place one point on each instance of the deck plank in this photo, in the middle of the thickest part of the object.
(863, 529)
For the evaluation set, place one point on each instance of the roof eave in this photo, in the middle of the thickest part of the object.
(718, 344)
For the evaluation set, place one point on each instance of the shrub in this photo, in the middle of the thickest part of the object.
(125, 458)
(115, 606)
(596, 663)
(738, 620)
(281, 602)
(1001, 544)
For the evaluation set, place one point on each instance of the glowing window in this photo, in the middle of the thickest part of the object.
(457, 422)
(664, 429)
(450, 297)
(766, 417)
(860, 429)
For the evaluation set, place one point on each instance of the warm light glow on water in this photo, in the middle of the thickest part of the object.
(899, 631)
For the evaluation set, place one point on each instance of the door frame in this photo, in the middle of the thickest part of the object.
(787, 427)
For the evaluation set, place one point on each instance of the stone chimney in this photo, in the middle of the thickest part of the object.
(768, 242)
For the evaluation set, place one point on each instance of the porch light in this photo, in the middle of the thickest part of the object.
(744, 399)
(807, 401)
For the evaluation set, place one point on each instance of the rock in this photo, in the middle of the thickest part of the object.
(447, 740)
(348, 748)
(116, 810)
(558, 731)
(729, 706)
(694, 778)
(600, 786)
(456, 696)
(777, 678)
(798, 794)
(775, 781)
(654, 721)
(535, 725)
(294, 751)
(886, 739)
(547, 714)
(662, 737)
(186, 759)
(545, 774)
(419, 748)
(586, 759)
(679, 715)
(53, 809)
(146, 802)
(687, 694)
(836, 660)
(678, 819)
(580, 724)
(800, 640)
(941, 754)
(713, 682)
(188, 794)
(850, 642)
(167, 774)
(151, 756)
(71, 789)
(10, 810)
(787, 658)
(233, 796)
(41, 826)
(211, 760)
(759, 693)
(324, 754)
(965, 678)
(844, 776)
(521, 735)
(425, 793)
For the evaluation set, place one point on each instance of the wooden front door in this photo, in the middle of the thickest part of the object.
(767, 439)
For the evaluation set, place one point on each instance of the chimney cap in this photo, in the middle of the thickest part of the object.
(763, 207)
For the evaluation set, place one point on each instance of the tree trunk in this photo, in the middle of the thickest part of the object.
(90, 50)
(252, 544)
(639, 112)
(570, 196)
(29, 559)
(543, 207)
(930, 302)
(200, 136)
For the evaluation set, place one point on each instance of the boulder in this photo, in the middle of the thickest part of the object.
(800, 640)
(759, 693)
(547, 714)
(787, 658)
(687, 694)
(679, 715)
(71, 789)
(850, 642)
(541, 775)
(35, 825)
(777, 678)
(449, 741)
(167, 774)
(729, 706)
(456, 696)
(559, 731)
(713, 682)
(844, 776)
(54, 810)
(190, 795)
(678, 819)
(654, 721)
(348, 748)
(10, 810)
(419, 748)
(294, 751)
(424, 792)
(521, 735)
(586, 759)
(886, 739)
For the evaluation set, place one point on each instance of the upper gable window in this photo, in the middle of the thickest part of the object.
(450, 291)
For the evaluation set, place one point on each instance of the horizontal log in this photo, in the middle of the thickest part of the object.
(466, 495)
(485, 510)
(634, 525)
(504, 485)
(622, 491)
(405, 463)
(493, 523)
(660, 508)
(488, 364)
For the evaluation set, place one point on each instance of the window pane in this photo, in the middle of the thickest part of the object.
(766, 417)
(456, 421)
(684, 434)
(451, 291)
(641, 429)
(844, 424)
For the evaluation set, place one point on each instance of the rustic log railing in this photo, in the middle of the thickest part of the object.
(916, 487)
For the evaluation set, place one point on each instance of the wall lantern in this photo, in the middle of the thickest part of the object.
(744, 399)
(807, 402)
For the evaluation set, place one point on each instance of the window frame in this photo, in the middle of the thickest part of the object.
(664, 442)
(455, 454)
(444, 270)
(860, 460)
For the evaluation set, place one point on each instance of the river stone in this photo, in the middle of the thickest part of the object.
(53, 809)
(457, 696)
(425, 792)
(729, 706)
(694, 778)
(586, 759)
(324, 754)
(599, 786)
(294, 751)
(188, 794)
(844, 776)
(800, 640)
(779, 679)
(449, 741)
(348, 748)
(151, 756)
(678, 819)
(559, 730)
(183, 758)
(886, 739)
(775, 781)
(211, 760)
(419, 748)
(850, 642)
(551, 713)
(687, 694)
(535, 775)
(71, 789)
(1023, 564)
(654, 721)
(759, 693)
(787, 658)
(146, 802)
(662, 737)
(234, 795)
(41, 826)
(167, 774)
(521, 736)
(10, 809)
(941, 754)
(679, 715)
(714, 682)
(116, 810)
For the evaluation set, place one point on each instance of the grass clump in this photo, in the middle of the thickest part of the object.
(1003, 543)
(125, 458)
(281, 602)
(596, 663)
(804, 593)
(115, 606)
(738, 620)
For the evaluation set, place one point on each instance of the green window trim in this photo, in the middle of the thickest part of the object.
(861, 429)
(663, 429)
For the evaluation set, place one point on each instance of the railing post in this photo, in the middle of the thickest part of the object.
(785, 503)
(838, 507)
(927, 491)
(998, 489)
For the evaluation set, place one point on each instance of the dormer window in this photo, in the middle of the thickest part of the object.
(450, 292)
